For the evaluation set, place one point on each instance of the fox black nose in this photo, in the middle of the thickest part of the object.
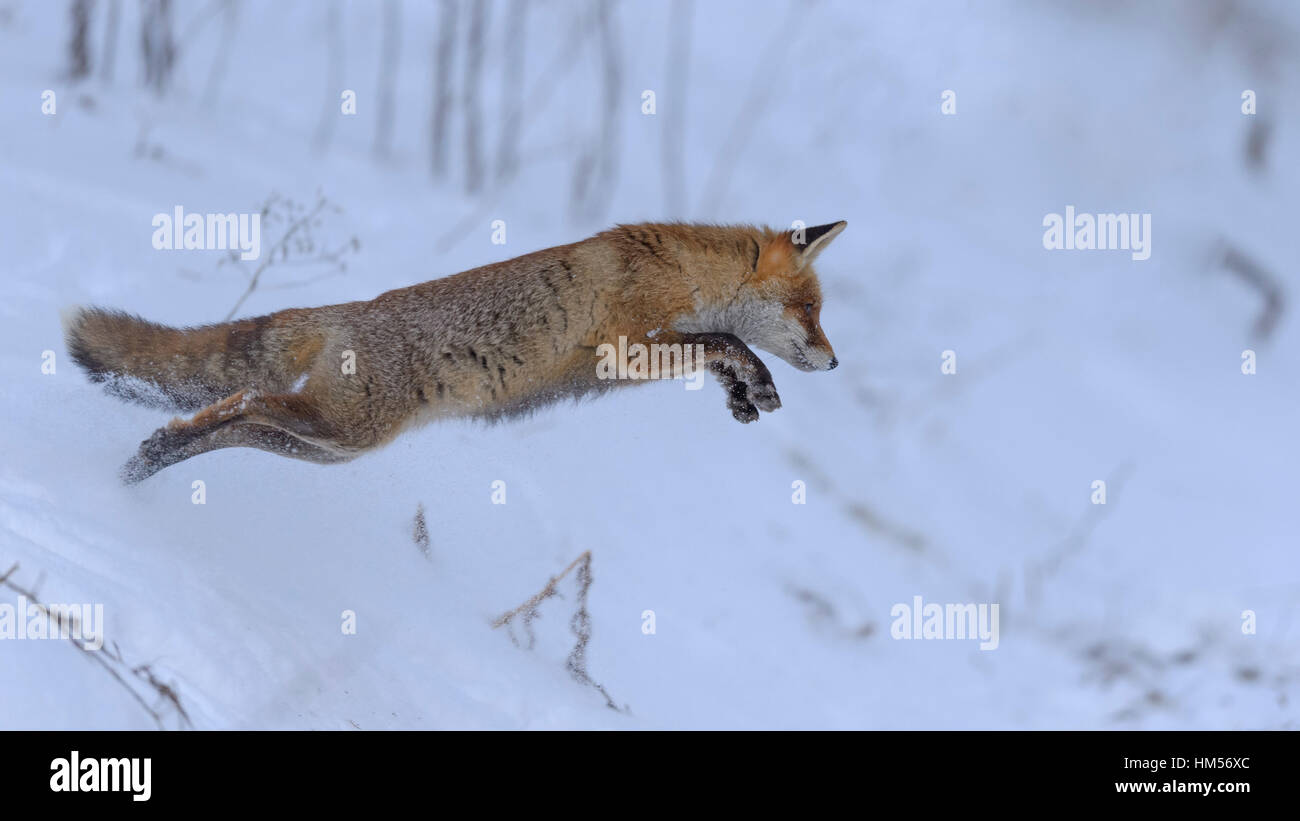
(833, 364)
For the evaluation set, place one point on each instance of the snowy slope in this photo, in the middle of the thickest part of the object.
(972, 487)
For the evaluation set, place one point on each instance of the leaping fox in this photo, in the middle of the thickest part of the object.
(490, 342)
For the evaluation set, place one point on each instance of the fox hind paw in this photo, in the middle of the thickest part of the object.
(155, 453)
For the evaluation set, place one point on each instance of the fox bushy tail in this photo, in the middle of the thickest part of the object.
(182, 369)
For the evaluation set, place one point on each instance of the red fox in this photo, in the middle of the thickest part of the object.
(328, 384)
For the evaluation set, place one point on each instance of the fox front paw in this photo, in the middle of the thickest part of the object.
(763, 396)
(746, 399)
(738, 402)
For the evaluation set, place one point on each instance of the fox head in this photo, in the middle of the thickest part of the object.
(778, 306)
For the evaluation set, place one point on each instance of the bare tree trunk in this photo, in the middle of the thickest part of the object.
(444, 56)
(597, 170)
(110, 41)
(770, 61)
(674, 121)
(334, 84)
(474, 47)
(78, 43)
(512, 91)
(584, 161)
(157, 44)
(229, 12)
(388, 58)
(612, 73)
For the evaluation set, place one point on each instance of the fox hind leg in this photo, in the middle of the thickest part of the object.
(279, 424)
(160, 451)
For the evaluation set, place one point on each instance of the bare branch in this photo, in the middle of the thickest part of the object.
(579, 623)
(298, 238)
(110, 660)
(1257, 277)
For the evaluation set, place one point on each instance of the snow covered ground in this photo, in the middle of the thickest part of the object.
(1072, 366)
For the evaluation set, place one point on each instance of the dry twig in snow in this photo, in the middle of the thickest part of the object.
(110, 659)
(580, 623)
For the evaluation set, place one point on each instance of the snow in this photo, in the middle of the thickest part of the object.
(1072, 366)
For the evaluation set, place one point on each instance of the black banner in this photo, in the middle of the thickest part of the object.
(334, 769)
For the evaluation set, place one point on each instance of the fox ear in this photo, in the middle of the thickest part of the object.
(815, 240)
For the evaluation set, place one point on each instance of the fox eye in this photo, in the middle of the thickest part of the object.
(808, 308)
